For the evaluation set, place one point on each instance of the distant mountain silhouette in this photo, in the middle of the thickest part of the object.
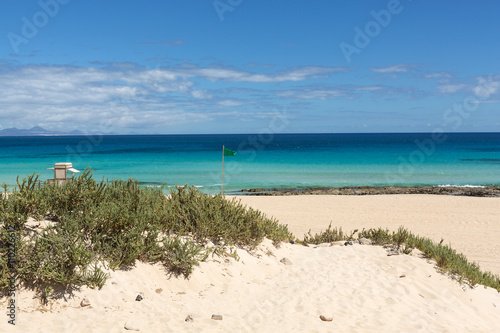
(35, 131)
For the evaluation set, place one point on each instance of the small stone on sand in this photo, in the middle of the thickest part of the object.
(129, 327)
(286, 261)
(217, 317)
(364, 241)
(325, 318)
(84, 302)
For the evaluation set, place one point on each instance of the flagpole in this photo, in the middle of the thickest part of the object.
(222, 184)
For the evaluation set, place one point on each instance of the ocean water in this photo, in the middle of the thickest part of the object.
(266, 160)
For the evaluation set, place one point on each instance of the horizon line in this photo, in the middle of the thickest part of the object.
(285, 133)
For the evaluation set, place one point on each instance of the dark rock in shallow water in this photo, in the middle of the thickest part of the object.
(491, 191)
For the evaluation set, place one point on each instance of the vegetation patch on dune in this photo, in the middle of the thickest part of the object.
(447, 259)
(100, 223)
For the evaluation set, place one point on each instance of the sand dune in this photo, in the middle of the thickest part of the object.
(471, 225)
(359, 287)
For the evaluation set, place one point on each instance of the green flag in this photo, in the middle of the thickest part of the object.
(229, 152)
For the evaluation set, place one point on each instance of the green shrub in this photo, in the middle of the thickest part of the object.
(117, 223)
(377, 236)
(57, 258)
(182, 255)
(212, 217)
(327, 236)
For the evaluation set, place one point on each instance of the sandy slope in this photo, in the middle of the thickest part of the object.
(359, 286)
(470, 224)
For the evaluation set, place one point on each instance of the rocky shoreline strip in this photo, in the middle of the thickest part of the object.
(492, 191)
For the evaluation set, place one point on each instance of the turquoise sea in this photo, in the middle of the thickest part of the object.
(265, 160)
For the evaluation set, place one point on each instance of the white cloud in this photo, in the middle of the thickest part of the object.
(450, 88)
(438, 75)
(370, 88)
(127, 95)
(401, 68)
(488, 101)
(324, 93)
(230, 103)
(225, 74)
(201, 94)
(305, 93)
(486, 86)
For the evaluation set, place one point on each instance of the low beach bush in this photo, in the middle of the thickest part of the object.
(99, 223)
(327, 236)
(216, 219)
(181, 255)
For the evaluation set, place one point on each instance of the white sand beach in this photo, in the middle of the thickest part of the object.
(359, 287)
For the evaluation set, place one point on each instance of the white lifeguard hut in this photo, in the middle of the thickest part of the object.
(61, 173)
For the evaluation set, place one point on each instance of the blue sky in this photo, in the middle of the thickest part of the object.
(243, 66)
